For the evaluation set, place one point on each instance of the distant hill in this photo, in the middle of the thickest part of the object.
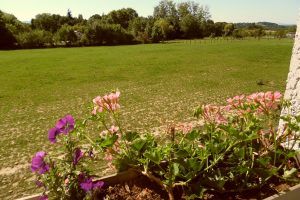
(266, 25)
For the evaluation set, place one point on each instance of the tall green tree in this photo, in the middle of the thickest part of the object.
(190, 26)
(228, 29)
(161, 30)
(122, 17)
(67, 34)
(166, 10)
(46, 21)
(7, 39)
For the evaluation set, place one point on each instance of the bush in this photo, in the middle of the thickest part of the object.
(66, 34)
(99, 33)
(35, 39)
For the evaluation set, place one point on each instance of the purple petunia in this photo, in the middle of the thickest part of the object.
(78, 154)
(39, 183)
(52, 133)
(64, 125)
(87, 184)
(38, 164)
(98, 185)
(43, 197)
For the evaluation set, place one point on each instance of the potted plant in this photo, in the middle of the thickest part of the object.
(237, 152)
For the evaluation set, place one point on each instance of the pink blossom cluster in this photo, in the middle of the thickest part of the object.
(256, 103)
(184, 127)
(214, 114)
(235, 102)
(264, 101)
(108, 102)
(112, 130)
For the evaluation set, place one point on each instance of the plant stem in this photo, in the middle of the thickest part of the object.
(168, 189)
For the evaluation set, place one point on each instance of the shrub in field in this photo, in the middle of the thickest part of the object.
(238, 148)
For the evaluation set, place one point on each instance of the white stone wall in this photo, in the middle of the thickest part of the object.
(293, 81)
(292, 91)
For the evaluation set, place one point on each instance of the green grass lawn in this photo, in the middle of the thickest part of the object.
(159, 84)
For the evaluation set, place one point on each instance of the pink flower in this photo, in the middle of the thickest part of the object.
(108, 156)
(236, 101)
(67, 181)
(264, 101)
(277, 96)
(108, 102)
(104, 133)
(214, 114)
(113, 129)
(184, 127)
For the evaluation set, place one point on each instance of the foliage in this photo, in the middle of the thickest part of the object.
(228, 29)
(35, 39)
(238, 147)
(7, 39)
(67, 34)
(123, 17)
(141, 29)
(99, 33)
(161, 30)
(190, 26)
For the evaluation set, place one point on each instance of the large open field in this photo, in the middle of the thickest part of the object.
(159, 83)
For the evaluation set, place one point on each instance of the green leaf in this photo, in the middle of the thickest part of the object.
(108, 141)
(154, 156)
(194, 164)
(182, 153)
(175, 169)
(138, 144)
(193, 135)
(130, 136)
(288, 173)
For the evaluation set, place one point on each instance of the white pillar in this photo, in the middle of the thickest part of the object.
(292, 92)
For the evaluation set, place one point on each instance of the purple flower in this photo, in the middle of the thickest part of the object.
(77, 156)
(52, 133)
(38, 164)
(98, 185)
(43, 197)
(39, 183)
(66, 124)
(87, 184)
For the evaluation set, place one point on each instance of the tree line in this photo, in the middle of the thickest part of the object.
(186, 20)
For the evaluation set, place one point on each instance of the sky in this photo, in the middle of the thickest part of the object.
(278, 11)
